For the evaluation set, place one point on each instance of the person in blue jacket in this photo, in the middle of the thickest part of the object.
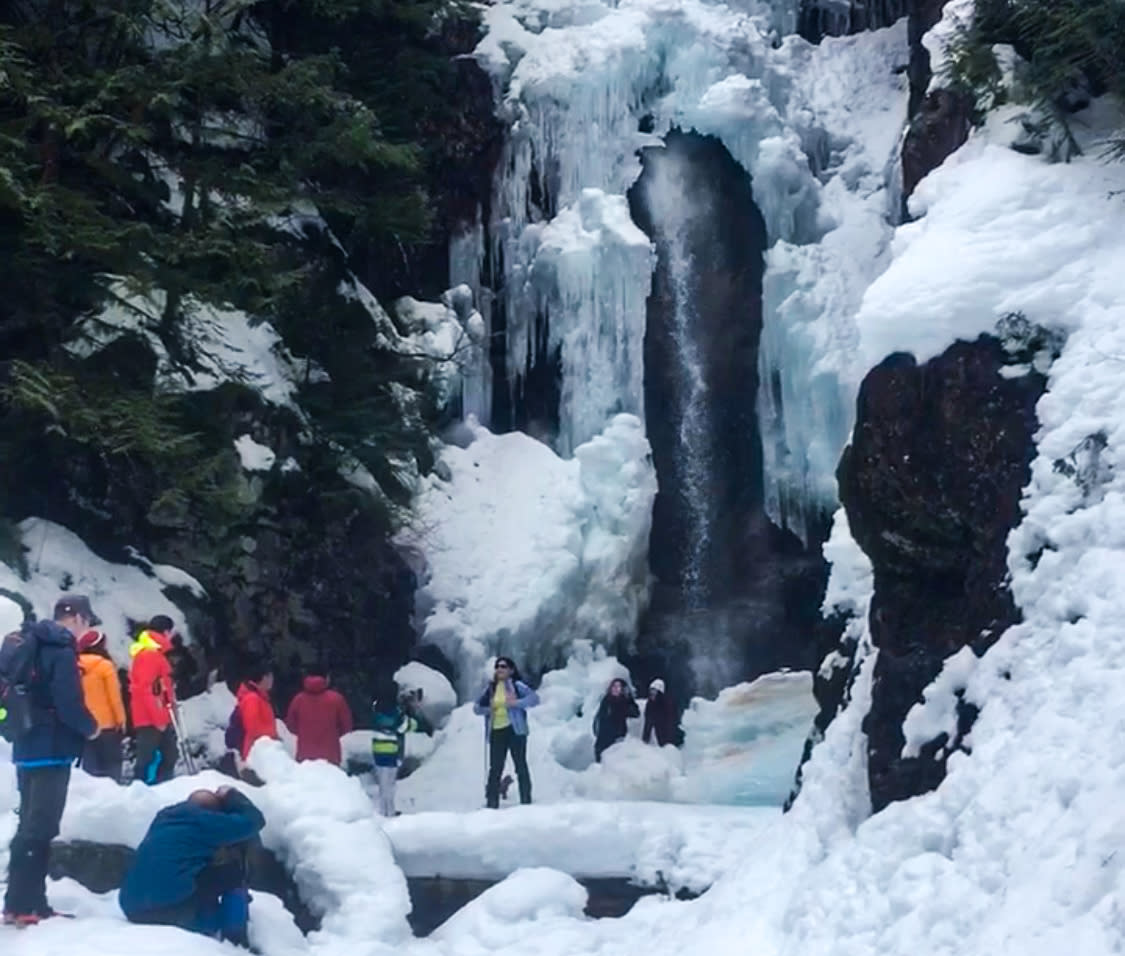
(190, 870)
(503, 702)
(59, 726)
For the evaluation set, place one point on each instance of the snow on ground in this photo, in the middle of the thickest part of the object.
(122, 595)
(525, 552)
(741, 749)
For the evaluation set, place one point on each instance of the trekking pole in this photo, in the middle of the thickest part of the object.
(181, 742)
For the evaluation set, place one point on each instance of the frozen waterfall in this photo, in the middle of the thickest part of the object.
(583, 90)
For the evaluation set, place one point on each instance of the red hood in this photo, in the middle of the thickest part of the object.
(315, 685)
(248, 688)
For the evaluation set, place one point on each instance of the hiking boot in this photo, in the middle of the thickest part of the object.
(21, 920)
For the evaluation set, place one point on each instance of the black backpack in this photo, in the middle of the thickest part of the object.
(18, 655)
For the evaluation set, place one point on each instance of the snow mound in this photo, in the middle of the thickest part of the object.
(531, 895)
(525, 552)
(438, 698)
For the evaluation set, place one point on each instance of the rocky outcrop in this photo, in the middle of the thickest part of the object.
(939, 128)
(931, 483)
(939, 119)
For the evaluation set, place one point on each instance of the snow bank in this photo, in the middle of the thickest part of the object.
(122, 595)
(525, 552)
(528, 896)
(654, 843)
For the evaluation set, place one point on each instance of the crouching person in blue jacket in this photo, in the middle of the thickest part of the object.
(191, 868)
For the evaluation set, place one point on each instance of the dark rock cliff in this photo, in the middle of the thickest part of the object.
(931, 484)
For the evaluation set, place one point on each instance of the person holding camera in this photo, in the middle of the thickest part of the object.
(393, 715)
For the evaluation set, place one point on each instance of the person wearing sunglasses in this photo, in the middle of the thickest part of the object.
(503, 703)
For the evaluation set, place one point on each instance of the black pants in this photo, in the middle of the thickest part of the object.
(102, 755)
(156, 754)
(500, 742)
(42, 799)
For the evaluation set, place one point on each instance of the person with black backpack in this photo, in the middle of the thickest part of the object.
(48, 725)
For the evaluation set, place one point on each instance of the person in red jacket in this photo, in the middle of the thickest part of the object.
(255, 710)
(151, 699)
(319, 717)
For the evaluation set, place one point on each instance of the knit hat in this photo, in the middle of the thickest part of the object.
(90, 640)
(656, 685)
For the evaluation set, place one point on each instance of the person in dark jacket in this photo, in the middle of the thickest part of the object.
(44, 753)
(660, 716)
(318, 717)
(190, 870)
(503, 703)
(611, 720)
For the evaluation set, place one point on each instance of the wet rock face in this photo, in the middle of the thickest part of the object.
(817, 19)
(735, 596)
(939, 128)
(939, 120)
(931, 483)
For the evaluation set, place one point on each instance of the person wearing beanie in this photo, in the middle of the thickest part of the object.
(660, 716)
(101, 691)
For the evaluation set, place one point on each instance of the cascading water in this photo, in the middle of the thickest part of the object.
(691, 410)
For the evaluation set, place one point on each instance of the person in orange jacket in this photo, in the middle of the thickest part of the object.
(151, 699)
(101, 690)
(255, 710)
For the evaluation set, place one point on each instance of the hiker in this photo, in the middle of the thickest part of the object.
(318, 717)
(185, 669)
(660, 716)
(255, 712)
(503, 702)
(611, 720)
(101, 691)
(51, 725)
(151, 699)
(191, 868)
(393, 715)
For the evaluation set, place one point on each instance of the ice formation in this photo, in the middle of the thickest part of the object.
(524, 551)
(583, 88)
